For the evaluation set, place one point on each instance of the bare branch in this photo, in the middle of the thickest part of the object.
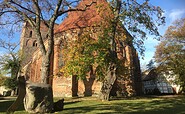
(76, 9)
(37, 30)
(4, 12)
(24, 8)
(8, 45)
(21, 13)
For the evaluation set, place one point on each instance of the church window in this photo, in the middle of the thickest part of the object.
(30, 35)
(27, 42)
(34, 44)
(61, 62)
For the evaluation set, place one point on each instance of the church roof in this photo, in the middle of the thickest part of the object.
(80, 19)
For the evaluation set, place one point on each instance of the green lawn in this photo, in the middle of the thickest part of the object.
(143, 105)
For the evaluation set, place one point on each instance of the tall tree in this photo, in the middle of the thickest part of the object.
(84, 54)
(138, 18)
(170, 53)
(10, 61)
(36, 12)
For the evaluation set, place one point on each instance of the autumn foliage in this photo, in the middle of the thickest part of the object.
(170, 53)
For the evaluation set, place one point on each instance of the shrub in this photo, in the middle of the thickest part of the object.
(10, 83)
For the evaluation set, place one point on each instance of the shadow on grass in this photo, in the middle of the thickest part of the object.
(173, 105)
(71, 102)
(164, 106)
(5, 104)
(138, 106)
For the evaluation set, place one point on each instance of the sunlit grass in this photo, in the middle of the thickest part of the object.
(131, 106)
(143, 105)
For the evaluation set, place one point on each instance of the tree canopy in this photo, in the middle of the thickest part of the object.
(138, 18)
(99, 53)
(170, 53)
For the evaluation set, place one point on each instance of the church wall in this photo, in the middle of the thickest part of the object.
(33, 70)
(89, 87)
(66, 87)
(62, 86)
(127, 83)
(137, 73)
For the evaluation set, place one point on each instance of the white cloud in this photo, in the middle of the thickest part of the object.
(176, 14)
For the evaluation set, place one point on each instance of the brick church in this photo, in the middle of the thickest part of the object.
(73, 24)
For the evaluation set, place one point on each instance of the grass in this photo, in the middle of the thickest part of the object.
(89, 105)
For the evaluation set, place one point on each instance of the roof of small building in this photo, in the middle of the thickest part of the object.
(152, 75)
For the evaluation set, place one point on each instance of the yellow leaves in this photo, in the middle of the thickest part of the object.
(176, 31)
(85, 52)
(170, 52)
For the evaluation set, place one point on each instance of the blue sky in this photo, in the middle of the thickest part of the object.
(173, 9)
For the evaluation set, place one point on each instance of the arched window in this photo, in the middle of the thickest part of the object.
(30, 35)
(61, 62)
(47, 36)
(35, 44)
(27, 42)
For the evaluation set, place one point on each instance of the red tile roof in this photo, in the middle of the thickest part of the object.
(79, 19)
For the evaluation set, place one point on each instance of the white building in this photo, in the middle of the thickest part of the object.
(160, 83)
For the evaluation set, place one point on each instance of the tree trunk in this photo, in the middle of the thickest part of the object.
(108, 82)
(110, 78)
(20, 97)
(47, 56)
(45, 70)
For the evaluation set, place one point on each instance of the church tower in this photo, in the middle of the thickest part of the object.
(28, 41)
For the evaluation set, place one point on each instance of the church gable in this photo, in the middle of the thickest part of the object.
(80, 19)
